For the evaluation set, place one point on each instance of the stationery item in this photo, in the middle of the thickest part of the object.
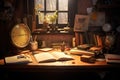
(18, 59)
(112, 58)
(34, 45)
(43, 44)
(50, 57)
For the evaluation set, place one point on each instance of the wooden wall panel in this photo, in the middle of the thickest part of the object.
(56, 38)
(83, 5)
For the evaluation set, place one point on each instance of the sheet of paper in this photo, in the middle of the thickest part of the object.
(17, 59)
(112, 58)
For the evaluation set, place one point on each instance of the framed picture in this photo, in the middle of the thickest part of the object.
(97, 19)
(81, 22)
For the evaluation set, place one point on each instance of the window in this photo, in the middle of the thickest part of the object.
(49, 7)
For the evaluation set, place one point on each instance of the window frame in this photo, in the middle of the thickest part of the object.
(59, 11)
(72, 10)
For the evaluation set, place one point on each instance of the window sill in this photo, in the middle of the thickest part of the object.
(43, 31)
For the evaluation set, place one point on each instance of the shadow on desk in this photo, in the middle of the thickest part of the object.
(51, 76)
(58, 76)
(113, 75)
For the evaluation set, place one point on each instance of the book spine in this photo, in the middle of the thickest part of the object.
(77, 39)
(95, 39)
(99, 40)
(81, 38)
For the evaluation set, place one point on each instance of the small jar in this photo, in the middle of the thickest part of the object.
(34, 45)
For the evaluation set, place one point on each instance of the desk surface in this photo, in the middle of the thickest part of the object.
(71, 65)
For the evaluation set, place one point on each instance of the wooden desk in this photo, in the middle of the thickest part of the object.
(71, 65)
(58, 70)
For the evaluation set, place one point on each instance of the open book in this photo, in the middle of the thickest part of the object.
(53, 56)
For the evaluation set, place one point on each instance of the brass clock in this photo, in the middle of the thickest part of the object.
(20, 35)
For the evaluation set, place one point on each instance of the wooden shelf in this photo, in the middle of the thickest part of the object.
(108, 4)
(42, 31)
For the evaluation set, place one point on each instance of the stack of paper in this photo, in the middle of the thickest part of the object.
(81, 52)
(112, 58)
(17, 59)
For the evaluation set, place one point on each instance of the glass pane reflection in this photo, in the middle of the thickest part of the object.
(41, 18)
(37, 2)
(63, 5)
(50, 15)
(62, 18)
(50, 5)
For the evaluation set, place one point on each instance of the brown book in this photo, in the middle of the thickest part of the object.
(77, 38)
(95, 39)
(99, 40)
(81, 38)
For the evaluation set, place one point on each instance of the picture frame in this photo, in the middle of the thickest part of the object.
(81, 22)
(97, 19)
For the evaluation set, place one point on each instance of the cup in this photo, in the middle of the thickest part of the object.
(34, 45)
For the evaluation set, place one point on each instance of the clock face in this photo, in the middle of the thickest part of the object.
(20, 35)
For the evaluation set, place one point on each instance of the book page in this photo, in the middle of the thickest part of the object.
(44, 57)
(61, 56)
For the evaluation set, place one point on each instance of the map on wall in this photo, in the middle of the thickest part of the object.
(81, 22)
(97, 19)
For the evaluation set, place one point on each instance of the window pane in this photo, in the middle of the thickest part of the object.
(62, 18)
(48, 15)
(41, 18)
(48, 8)
(50, 5)
(39, 4)
(63, 5)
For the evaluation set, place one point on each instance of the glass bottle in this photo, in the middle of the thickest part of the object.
(63, 47)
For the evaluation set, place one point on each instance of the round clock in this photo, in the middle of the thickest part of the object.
(20, 35)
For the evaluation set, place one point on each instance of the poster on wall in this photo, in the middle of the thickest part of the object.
(97, 19)
(81, 22)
